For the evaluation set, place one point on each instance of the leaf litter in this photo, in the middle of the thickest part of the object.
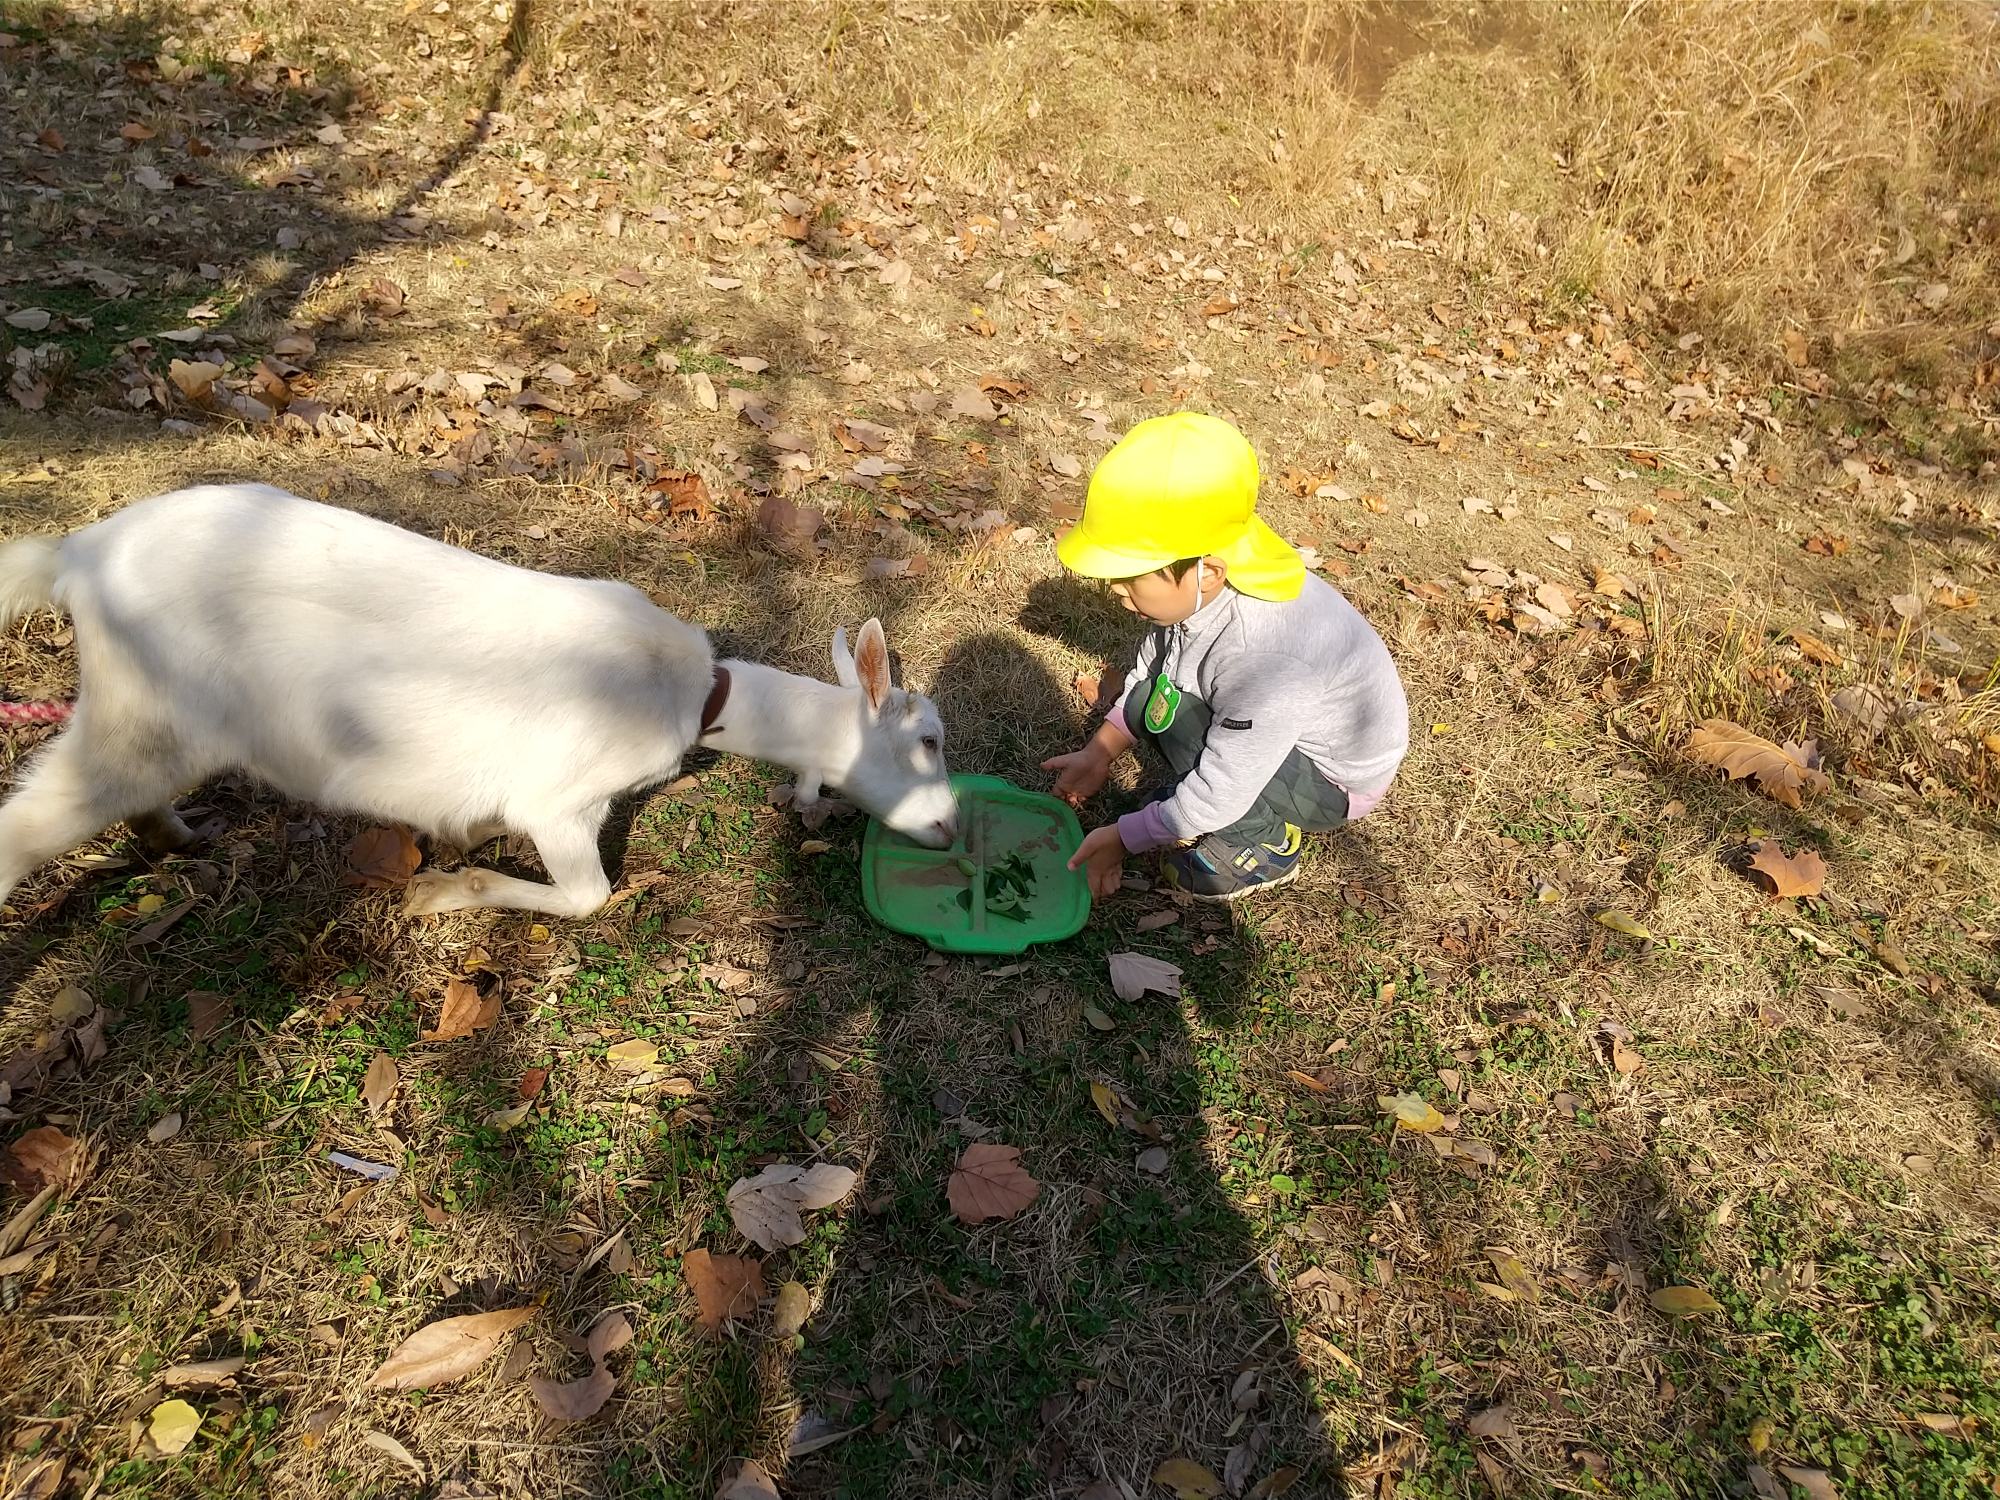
(725, 1287)
(793, 1307)
(1785, 875)
(1133, 974)
(464, 1011)
(989, 1182)
(766, 1208)
(1786, 773)
(579, 1400)
(1187, 1480)
(41, 1158)
(382, 858)
(378, 1084)
(447, 1350)
(173, 1425)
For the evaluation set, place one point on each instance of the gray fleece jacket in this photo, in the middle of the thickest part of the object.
(1307, 672)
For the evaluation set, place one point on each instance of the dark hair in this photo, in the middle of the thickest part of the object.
(1177, 570)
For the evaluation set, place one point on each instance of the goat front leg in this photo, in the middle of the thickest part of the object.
(805, 789)
(569, 853)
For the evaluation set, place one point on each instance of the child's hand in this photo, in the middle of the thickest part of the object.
(1102, 852)
(1080, 775)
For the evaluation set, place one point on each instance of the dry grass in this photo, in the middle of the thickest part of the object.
(1797, 167)
(1811, 1136)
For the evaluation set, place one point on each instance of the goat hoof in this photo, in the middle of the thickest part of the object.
(431, 892)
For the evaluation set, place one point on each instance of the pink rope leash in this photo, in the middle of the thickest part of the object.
(22, 715)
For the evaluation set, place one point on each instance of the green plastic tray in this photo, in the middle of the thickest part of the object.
(912, 889)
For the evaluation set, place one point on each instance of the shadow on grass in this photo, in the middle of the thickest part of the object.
(186, 221)
(1111, 1324)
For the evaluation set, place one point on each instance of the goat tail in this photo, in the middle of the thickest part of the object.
(29, 569)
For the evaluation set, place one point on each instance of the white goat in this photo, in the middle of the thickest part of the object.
(351, 663)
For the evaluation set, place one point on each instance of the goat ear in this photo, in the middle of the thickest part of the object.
(843, 660)
(871, 664)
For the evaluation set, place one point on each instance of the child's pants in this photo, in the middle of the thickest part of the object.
(1298, 794)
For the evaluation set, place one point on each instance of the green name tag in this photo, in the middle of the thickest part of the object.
(1163, 705)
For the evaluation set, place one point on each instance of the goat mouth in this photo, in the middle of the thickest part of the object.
(934, 835)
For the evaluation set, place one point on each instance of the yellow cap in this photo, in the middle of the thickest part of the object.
(1180, 486)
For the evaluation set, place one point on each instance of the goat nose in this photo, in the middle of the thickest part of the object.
(947, 830)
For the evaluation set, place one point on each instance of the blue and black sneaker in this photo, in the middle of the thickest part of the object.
(1215, 870)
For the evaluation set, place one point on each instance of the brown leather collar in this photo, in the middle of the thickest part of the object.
(718, 695)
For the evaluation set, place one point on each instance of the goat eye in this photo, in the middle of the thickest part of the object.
(931, 743)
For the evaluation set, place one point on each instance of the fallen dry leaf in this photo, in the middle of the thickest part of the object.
(173, 1426)
(1683, 1301)
(1412, 1112)
(381, 858)
(463, 1012)
(1801, 874)
(751, 1482)
(1187, 1479)
(1496, 1422)
(443, 1351)
(969, 401)
(383, 297)
(857, 436)
(1106, 1100)
(42, 1479)
(1813, 649)
(989, 1182)
(1949, 1423)
(580, 1400)
(1132, 974)
(1786, 773)
(208, 1013)
(724, 1286)
(687, 494)
(378, 1084)
(40, 1158)
(789, 528)
(634, 1056)
(766, 1207)
(1278, 1481)
(794, 1306)
(206, 1372)
(71, 1003)
(194, 379)
(1622, 922)
(1153, 921)
(1513, 1275)
(1817, 1483)
(382, 1443)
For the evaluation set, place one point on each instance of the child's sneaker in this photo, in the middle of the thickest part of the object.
(1215, 870)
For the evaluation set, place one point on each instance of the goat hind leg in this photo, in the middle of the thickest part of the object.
(66, 798)
(569, 852)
